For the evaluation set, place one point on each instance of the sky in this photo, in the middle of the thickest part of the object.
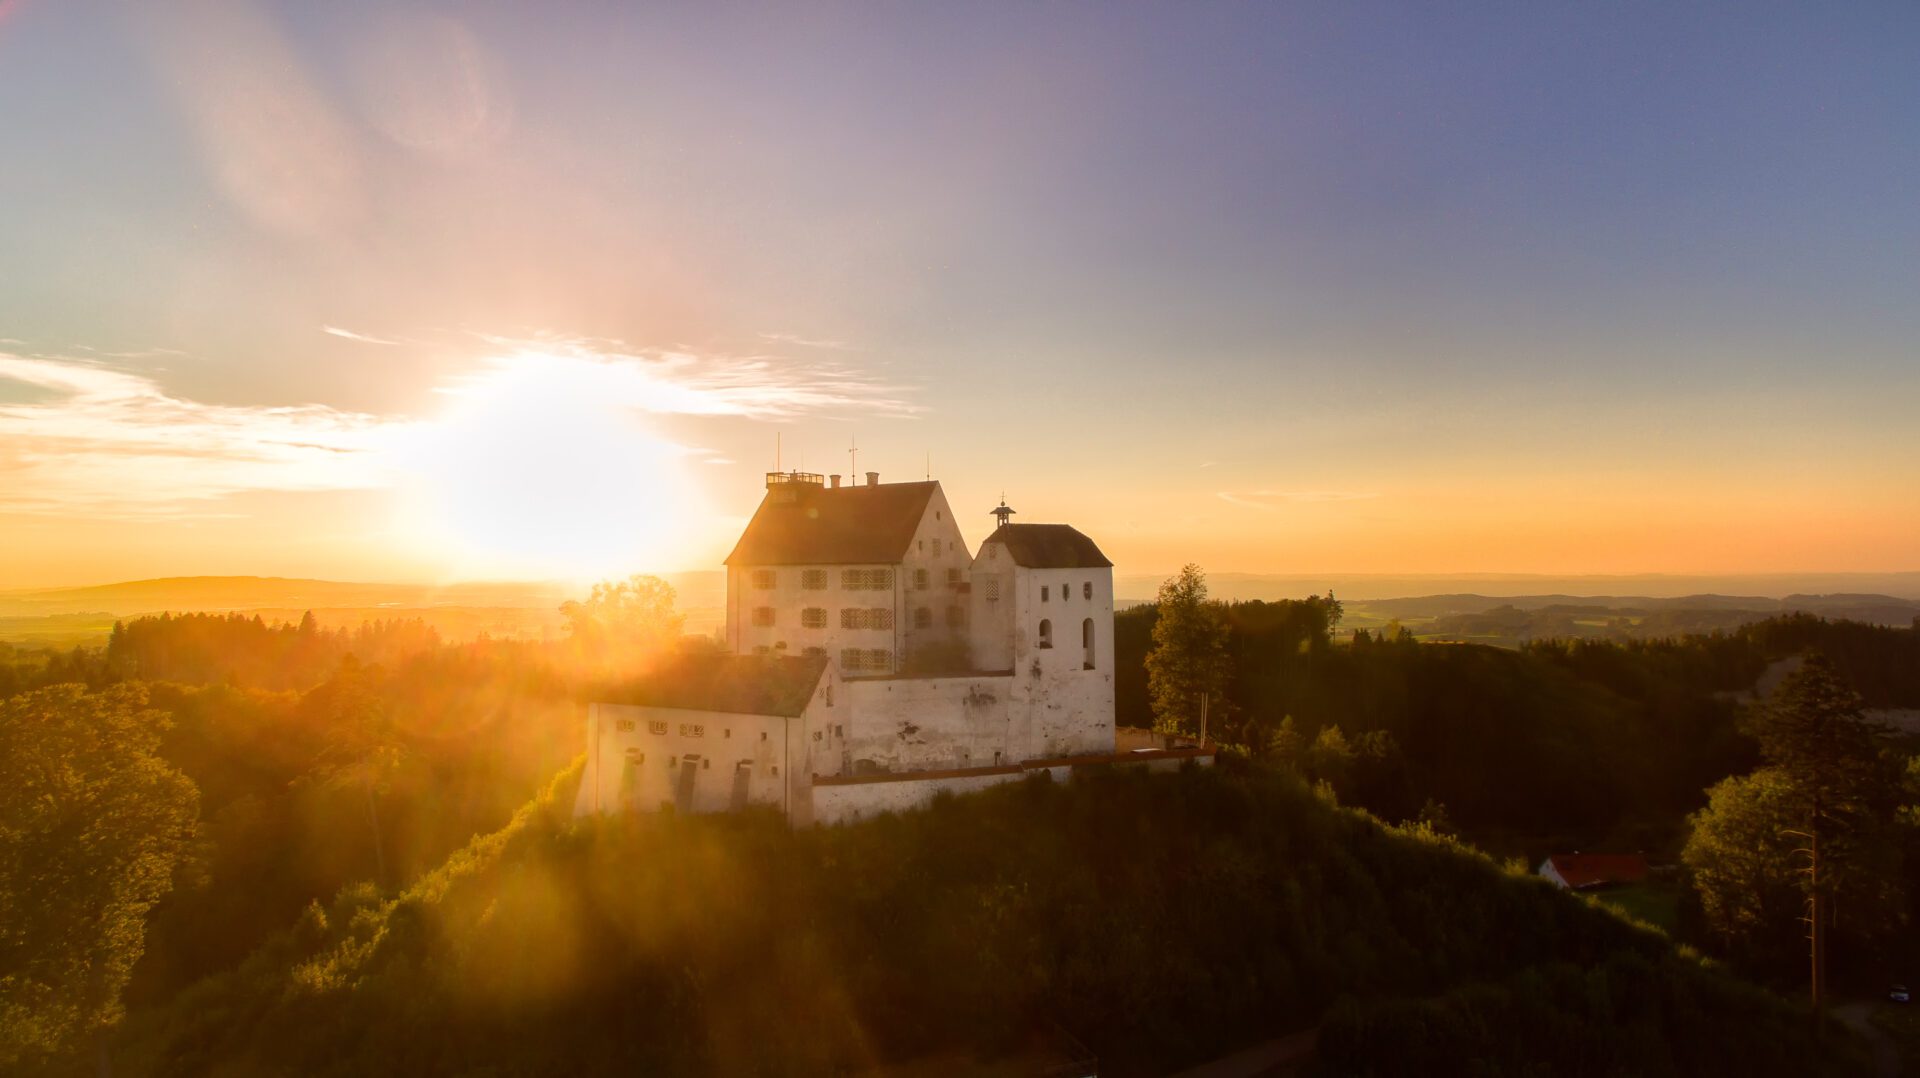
(533, 291)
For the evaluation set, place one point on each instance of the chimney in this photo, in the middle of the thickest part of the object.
(873, 479)
(835, 481)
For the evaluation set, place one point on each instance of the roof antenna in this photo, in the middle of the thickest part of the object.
(929, 465)
(776, 451)
(853, 459)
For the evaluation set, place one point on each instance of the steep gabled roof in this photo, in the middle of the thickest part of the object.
(1049, 546)
(810, 525)
(1593, 869)
(740, 684)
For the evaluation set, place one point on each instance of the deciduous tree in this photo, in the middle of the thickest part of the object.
(1188, 662)
(92, 823)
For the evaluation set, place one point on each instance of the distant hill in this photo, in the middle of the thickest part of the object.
(223, 593)
(219, 593)
(63, 617)
(1508, 587)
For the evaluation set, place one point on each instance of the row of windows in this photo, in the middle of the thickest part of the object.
(1066, 591)
(635, 758)
(687, 729)
(857, 660)
(852, 579)
(875, 617)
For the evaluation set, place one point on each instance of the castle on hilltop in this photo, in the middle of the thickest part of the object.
(871, 662)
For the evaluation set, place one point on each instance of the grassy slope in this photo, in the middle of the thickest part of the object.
(1162, 920)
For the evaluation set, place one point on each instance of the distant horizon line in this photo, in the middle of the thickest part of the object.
(1288, 575)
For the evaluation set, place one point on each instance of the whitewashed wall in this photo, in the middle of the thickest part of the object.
(927, 723)
(635, 754)
(1059, 707)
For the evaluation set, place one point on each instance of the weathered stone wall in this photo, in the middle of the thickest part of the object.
(926, 723)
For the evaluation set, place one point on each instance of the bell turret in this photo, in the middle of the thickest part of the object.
(1002, 513)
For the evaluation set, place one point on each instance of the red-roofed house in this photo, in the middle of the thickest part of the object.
(1580, 871)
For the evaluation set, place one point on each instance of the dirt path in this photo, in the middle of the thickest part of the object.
(1886, 1053)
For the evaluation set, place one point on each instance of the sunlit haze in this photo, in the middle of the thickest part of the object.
(539, 292)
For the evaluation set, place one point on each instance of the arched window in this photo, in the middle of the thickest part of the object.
(1046, 633)
(1086, 641)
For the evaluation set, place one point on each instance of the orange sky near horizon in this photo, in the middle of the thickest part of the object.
(504, 293)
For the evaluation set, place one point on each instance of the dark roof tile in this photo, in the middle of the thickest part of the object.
(1049, 546)
(741, 684)
(811, 525)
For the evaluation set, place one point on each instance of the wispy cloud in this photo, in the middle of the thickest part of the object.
(361, 337)
(101, 440)
(1270, 500)
(687, 383)
(804, 342)
(112, 442)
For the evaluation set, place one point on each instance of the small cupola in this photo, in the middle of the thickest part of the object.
(1002, 513)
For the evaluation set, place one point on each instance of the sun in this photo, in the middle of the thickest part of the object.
(544, 465)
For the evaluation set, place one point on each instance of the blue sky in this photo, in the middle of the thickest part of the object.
(1394, 288)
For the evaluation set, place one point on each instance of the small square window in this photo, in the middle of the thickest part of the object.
(763, 617)
(625, 726)
(763, 579)
(813, 579)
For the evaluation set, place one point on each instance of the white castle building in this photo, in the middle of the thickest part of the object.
(872, 661)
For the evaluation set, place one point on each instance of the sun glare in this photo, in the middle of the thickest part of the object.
(545, 464)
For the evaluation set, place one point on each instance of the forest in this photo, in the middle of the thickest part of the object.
(304, 849)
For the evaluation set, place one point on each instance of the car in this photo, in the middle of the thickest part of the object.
(1899, 994)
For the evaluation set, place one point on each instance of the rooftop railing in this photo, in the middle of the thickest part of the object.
(775, 479)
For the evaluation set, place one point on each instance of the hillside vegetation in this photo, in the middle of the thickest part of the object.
(1160, 919)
